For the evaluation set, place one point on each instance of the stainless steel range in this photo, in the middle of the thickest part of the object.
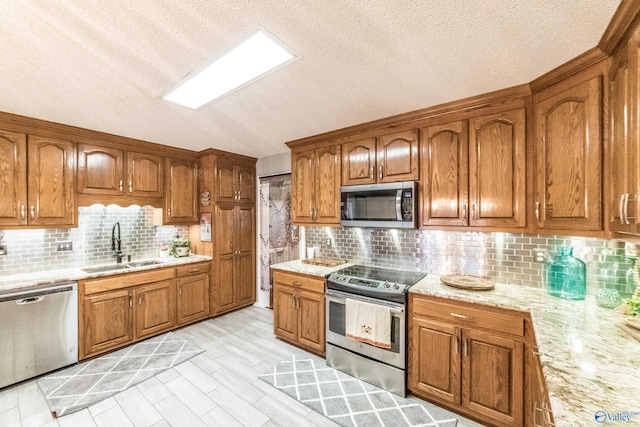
(384, 367)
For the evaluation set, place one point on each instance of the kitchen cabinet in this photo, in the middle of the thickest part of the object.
(193, 293)
(315, 185)
(624, 115)
(299, 310)
(181, 192)
(37, 180)
(537, 404)
(388, 158)
(467, 358)
(234, 258)
(568, 155)
(121, 309)
(108, 171)
(235, 183)
(474, 172)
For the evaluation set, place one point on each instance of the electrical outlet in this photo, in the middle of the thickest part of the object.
(540, 255)
(328, 241)
(3, 249)
(631, 250)
(64, 246)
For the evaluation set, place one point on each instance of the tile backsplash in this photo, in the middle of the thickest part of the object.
(499, 256)
(35, 249)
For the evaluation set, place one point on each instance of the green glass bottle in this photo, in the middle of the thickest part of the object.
(566, 275)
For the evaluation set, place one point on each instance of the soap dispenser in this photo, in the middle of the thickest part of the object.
(566, 275)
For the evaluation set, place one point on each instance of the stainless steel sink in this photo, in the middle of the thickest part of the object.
(115, 267)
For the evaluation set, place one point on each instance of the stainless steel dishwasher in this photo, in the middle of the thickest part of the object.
(38, 331)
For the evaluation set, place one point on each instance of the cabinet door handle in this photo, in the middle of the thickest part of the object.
(626, 208)
(371, 173)
(139, 299)
(535, 351)
(169, 213)
(22, 212)
(464, 214)
(296, 283)
(194, 270)
(620, 211)
(180, 291)
(121, 186)
(473, 212)
(33, 212)
(130, 299)
(537, 211)
(461, 316)
(457, 345)
(130, 186)
(381, 174)
(465, 350)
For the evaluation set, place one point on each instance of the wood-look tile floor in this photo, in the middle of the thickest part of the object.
(219, 387)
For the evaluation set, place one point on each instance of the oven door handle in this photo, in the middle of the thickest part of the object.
(341, 297)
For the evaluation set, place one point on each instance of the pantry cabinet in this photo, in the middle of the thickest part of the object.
(474, 172)
(315, 186)
(467, 358)
(181, 192)
(299, 310)
(107, 171)
(235, 183)
(387, 158)
(568, 155)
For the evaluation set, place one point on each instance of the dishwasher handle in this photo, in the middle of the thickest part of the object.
(27, 296)
(30, 300)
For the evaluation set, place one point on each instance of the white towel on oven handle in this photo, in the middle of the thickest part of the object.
(368, 323)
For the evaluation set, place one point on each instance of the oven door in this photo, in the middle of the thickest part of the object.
(335, 332)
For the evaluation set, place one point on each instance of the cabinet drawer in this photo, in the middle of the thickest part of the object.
(187, 270)
(297, 281)
(119, 281)
(469, 317)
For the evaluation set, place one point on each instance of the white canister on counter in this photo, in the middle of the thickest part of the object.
(310, 252)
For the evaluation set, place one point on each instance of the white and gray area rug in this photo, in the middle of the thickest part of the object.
(84, 384)
(349, 401)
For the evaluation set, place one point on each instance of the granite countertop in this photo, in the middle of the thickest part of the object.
(42, 278)
(589, 363)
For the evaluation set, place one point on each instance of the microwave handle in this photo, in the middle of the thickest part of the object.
(399, 205)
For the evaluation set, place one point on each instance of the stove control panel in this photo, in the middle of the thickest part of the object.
(377, 285)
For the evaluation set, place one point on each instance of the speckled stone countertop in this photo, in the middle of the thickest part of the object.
(589, 363)
(34, 280)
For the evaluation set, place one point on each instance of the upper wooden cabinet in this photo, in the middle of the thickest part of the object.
(114, 172)
(181, 204)
(568, 160)
(473, 172)
(315, 194)
(391, 158)
(624, 113)
(13, 176)
(235, 183)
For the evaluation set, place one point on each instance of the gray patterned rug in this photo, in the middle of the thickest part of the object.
(349, 401)
(86, 383)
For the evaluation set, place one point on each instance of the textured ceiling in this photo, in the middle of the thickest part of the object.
(104, 65)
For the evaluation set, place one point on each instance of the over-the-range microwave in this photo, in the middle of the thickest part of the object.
(391, 205)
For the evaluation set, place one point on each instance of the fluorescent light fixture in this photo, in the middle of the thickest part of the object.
(251, 59)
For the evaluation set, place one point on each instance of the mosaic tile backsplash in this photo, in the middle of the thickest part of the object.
(508, 258)
(35, 250)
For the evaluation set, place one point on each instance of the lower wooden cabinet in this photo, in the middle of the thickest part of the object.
(537, 404)
(299, 310)
(468, 359)
(121, 309)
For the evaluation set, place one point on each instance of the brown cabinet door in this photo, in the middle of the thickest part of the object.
(445, 180)
(359, 162)
(100, 170)
(311, 324)
(327, 190)
(225, 182)
(246, 184)
(181, 192)
(51, 181)
(13, 178)
(302, 186)
(493, 376)
(497, 193)
(145, 175)
(568, 157)
(398, 157)
(193, 298)
(434, 360)
(107, 321)
(155, 308)
(245, 274)
(225, 256)
(285, 314)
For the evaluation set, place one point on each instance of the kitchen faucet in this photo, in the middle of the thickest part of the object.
(116, 243)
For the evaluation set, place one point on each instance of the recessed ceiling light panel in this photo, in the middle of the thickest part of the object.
(248, 61)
